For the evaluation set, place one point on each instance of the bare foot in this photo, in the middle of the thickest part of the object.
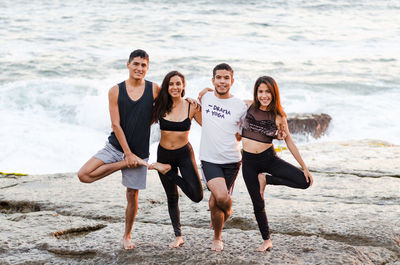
(142, 162)
(217, 245)
(265, 246)
(128, 244)
(162, 168)
(262, 179)
(177, 243)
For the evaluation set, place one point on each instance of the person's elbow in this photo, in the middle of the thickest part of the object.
(115, 126)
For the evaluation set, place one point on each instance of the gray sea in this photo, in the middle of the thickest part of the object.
(59, 58)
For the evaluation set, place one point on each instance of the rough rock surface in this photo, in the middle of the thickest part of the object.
(344, 218)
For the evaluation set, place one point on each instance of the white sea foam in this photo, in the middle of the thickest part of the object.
(56, 125)
(332, 57)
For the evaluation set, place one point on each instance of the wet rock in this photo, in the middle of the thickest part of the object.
(308, 123)
(18, 207)
(77, 231)
(82, 254)
(241, 223)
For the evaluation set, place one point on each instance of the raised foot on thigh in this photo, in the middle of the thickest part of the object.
(266, 245)
(127, 243)
(217, 245)
(262, 179)
(142, 162)
(177, 243)
(160, 167)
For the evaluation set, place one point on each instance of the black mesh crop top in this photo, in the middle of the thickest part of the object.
(177, 126)
(259, 125)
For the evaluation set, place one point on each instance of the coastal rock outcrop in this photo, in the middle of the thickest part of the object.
(339, 220)
(308, 123)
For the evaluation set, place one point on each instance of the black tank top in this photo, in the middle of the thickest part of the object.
(259, 125)
(135, 120)
(177, 126)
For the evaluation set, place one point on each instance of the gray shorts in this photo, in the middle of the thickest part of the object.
(134, 178)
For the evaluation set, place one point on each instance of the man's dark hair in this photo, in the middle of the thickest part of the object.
(138, 53)
(222, 66)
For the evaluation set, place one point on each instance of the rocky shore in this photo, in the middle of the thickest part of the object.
(351, 215)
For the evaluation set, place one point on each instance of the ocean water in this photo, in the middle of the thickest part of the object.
(58, 60)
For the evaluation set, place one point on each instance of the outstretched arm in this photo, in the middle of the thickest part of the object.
(283, 126)
(201, 93)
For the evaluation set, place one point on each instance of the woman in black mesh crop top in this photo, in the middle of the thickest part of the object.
(264, 121)
(174, 115)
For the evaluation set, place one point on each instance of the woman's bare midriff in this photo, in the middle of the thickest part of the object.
(172, 140)
(254, 147)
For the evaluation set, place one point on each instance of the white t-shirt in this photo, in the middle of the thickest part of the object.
(220, 122)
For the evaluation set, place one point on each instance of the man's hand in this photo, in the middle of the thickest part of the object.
(238, 136)
(131, 160)
(193, 102)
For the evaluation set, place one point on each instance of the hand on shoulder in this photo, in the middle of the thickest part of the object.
(193, 104)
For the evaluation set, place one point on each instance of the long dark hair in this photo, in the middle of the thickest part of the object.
(275, 104)
(163, 103)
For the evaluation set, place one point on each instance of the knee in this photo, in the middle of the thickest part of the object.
(197, 197)
(305, 185)
(222, 199)
(84, 178)
(131, 195)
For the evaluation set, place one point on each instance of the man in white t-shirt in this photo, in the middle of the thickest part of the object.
(219, 149)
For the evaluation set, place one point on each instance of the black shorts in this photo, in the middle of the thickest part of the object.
(227, 171)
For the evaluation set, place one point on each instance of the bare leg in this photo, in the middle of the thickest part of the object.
(160, 167)
(220, 204)
(265, 246)
(177, 243)
(262, 179)
(130, 214)
(95, 169)
(217, 223)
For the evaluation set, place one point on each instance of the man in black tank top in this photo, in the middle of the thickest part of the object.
(127, 149)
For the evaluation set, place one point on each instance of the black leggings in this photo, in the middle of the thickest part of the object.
(189, 182)
(280, 173)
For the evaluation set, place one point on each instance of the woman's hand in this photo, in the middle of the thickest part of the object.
(308, 176)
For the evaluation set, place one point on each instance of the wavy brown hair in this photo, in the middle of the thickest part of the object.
(163, 103)
(275, 104)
